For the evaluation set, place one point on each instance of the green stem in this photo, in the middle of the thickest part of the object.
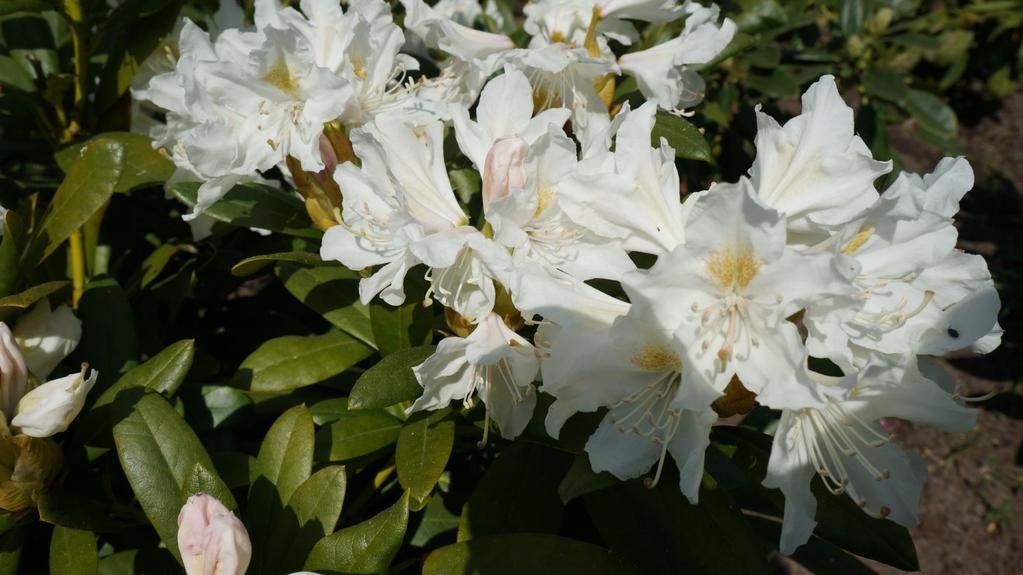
(77, 253)
(76, 22)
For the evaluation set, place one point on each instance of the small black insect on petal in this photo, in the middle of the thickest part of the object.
(953, 333)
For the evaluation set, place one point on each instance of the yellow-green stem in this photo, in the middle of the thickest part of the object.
(77, 253)
(76, 22)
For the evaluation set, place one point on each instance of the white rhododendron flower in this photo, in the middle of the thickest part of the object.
(731, 287)
(47, 336)
(844, 443)
(492, 363)
(813, 169)
(50, 408)
(13, 373)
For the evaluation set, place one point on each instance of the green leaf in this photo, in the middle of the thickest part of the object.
(158, 452)
(254, 206)
(285, 461)
(251, 265)
(466, 182)
(424, 446)
(286, 456)
(140, 165)
(11, 544)
(73, 552)
(358, 434)
(390, 381)
(852, 17)
(885, 83)
(311, 515)
(332, 292)
(518, 493)
(779, 84)
(932, 113)
(817, 555)
(437, 522)
(12, 6)
(69, 509)
(581, 479)
(683, 136)
(365, 548)
(660, 532)
(329, 410)
(88, 185)
(520, 553)
(13, 304)
(236, 468)
(401, 327)
(163, 373)
(290, 362)
(9, 255)
(108, 343)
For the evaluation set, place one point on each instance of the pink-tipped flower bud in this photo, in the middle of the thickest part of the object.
(505, 168)
(211, 539)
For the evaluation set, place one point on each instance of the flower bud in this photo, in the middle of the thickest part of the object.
(51, 407)
(47, 337)
(27, 466)
(13, 372)
(211, 539)
(504, 169)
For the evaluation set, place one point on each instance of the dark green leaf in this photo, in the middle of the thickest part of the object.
(402, 327)
(163, 373)
(852, 17)
(466, 182)
(140, 165)
(519, 492)
(366, 548)
(11, 544)
(932, 113)
(332, 292)
(88, 185)
(255, 206)
(16, 303)
(817, 555)
(522, 553)
(390, 381)
(884, 83)
(69, 509)
(290, 362)
(358, 434)
(12, 6)
(73, 552)
(251, 265)
(158, 452)
(581, 479)
(311, 515)
(660, 532)
(424, 446)
(681, 135)
(108, 343)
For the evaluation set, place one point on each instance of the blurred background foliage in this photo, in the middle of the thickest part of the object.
(274, 328)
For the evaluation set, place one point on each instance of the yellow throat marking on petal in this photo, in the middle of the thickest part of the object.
(858, 240)
(359, 68)
(657, 358)
(544, 197)
(733, 267)
(280, 77)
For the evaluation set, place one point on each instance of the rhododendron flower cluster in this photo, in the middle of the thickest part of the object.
(753, 286)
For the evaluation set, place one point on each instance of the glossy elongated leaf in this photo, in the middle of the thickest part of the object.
(390, 381)
(12, 6)
(253, 264)
(852, 16)
(817, 555)
(311, 514)
(73, 552)
(332, 292)
(424, 446)
(89, 183)
(290, 362)
(20, 302)
(365, 548)
(285, 461)
(660, 532)
(357, 434)
(681, 135)
(70, 509)
(140, 165)
(518, 553)
(163, 373)
(108, 343)
(581, 479)
(885, 83)
(401, 327)
(254, 206)
(932, 113)
(158, 452)
(9, 255)
(518, 493)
